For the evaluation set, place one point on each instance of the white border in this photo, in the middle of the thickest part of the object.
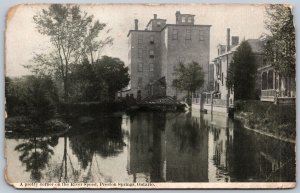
(6, 4)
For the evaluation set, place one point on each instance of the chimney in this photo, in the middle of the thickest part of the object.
(177, 14)
(234, 40)
(136, 24)
(155, 16)
(228, 40)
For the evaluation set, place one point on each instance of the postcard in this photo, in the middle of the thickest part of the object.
(150, 96)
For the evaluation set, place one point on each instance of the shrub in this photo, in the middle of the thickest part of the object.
(56, 125)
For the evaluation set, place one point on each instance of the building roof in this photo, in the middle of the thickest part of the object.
(165, 27)
(132, 30)
(154, 19)
(257, 47)
(269, 66)
(184, 25)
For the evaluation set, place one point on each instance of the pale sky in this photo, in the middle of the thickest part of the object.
(22, 38)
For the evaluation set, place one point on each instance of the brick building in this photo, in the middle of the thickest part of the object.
(155, 51)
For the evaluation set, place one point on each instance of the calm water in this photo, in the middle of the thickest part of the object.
(151, 147)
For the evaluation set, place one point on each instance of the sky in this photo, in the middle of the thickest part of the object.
(22, 38)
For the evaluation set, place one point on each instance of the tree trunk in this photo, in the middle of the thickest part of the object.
(65, 158)
(66, 89)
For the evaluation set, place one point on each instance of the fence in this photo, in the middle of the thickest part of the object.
(216, 102)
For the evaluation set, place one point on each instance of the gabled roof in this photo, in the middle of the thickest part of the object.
(257, 47)
(154, 19)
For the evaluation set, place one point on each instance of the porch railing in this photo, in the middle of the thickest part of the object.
(268, 93)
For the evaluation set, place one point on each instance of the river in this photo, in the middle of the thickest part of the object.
(151, 147)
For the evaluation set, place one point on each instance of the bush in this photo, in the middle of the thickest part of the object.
(56, 125)
(18, 123)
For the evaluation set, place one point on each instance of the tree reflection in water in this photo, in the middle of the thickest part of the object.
(187, 134)
(35, 154)
(187, 145)
(103, 138)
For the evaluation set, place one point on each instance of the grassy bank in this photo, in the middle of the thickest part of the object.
(265, 117)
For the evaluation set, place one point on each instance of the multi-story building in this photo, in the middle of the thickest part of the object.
(220, 98)
(155, 52)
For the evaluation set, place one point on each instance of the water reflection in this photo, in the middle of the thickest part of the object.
(152, 147)
(35, 154)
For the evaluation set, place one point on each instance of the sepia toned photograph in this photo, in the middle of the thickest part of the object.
(150, 96)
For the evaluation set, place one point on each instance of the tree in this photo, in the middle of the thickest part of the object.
(31, 96)
(42, 99)
(114, 74)
(73, 36)
(189, 77)
(280, 45)
(242, 72)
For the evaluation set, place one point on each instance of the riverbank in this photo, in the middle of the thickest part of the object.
(276, 121)
(24, 126)
(260, 131)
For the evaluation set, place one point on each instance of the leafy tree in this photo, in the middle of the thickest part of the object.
(114, 74)
(242, 72)
(280, 45)
(73, 35)
(189, 77)
(36, 97)
(42, 99)
(83, 80)
(15, 95)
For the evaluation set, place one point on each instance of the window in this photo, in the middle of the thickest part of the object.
(270, 79)
(140, 39)
(175, 34)
(188, 35)
(151, 39)
(183, 19)
(264, 83)
(201, 38)
(174, 66)
(181, 59)
(151, 67)
(151, 53)
(158, 24)
(140, 67)
(140, 53)
(222, 79)
(140, 81)
(189, 19)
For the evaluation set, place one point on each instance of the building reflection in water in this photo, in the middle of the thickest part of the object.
(167, 147)
(196, 147)
(220, 144)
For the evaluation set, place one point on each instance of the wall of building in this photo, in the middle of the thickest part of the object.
(183, 49)
(220, 74)
(142, 76)
(190, 44)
